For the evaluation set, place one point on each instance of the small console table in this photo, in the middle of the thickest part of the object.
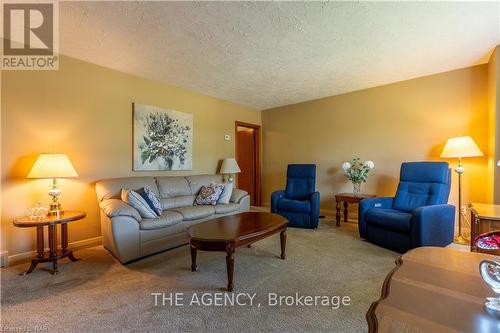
(485, 218)
(347, 198)
(51, 222)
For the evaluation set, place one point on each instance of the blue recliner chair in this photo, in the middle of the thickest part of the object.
(299, 202)
(417, 216)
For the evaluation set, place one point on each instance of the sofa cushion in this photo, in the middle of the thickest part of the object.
(195, 212)
(135, 200)
(112, 188)
(182, 201)
(196, 182)
(290, 205)
(170, 187)
(152, 199)
(225, 197)
(168, 218)
(389, 219)
(226, 208)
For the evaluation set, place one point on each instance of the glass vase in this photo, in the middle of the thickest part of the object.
(356, 189)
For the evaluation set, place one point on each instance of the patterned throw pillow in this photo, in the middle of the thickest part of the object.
(136, 200)
(209, 194)
(152, 199)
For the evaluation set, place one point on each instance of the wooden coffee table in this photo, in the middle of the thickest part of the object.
(230, 232)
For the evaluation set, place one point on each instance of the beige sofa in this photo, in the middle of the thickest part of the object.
(128, 236)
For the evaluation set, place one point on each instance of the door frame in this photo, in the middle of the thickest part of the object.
(257, 128)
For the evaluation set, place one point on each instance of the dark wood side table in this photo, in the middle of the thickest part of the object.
(434, 289)
(51, 221)
(348, 198)
(484, 218)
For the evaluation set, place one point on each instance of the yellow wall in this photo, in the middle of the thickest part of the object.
(404, 121)
(86, 111)
(494, 123)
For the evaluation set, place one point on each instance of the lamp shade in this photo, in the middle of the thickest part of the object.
(229, 165)
(462, 146)
(52, 166)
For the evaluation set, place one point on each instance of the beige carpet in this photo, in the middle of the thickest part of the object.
(98, 294)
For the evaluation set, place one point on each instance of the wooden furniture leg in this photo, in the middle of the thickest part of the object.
(230, 266)
(283, 243)
(346, 212)
(337, 215)
(194, 267)
(53, 247)
(64, 243)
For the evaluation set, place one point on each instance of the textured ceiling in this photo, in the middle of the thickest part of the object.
(268, 54)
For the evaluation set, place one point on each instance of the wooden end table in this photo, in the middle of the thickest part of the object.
(227, 233)
(51, 221)
(484, 218)
(434, 289)
(348, 198)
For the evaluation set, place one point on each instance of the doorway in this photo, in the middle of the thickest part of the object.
(248, 157)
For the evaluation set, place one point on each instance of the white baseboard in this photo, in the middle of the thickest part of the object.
(27, 256)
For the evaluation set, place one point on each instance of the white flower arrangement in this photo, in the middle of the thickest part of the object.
(356, 171)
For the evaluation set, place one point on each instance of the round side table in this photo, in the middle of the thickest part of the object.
(51, 221)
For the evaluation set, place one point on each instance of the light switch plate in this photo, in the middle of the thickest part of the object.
(227, 137)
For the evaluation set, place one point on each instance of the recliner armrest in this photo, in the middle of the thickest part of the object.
(237, 195)
(365, 205)
(117, 207)
(275, 197)
(315, 201)
(432, 225)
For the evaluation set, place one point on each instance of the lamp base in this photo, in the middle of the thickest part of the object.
(55, 209)
(461, 240)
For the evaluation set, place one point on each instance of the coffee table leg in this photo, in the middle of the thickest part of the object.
(346, 212)
(283, 243)
(230, 266)
(194, 267)
(338, 213)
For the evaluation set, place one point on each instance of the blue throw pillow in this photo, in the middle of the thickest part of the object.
(152, 199)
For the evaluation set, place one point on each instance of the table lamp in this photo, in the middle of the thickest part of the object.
(53, 166)
(229, 167)
(460, 147)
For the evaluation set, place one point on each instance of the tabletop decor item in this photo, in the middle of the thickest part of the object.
(229, 167)
(37, 213)
(53, 166)
(357, 172)
(460, 147)
(163, 139)
(490, 272)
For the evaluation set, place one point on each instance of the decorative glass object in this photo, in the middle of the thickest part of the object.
(490, 272)
(356, 189)
(37, 213)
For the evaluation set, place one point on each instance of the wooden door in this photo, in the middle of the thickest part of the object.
(247, 156)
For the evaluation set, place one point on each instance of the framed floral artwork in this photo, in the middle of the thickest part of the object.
(162, 139)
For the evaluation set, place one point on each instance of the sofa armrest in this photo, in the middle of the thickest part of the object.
(365, 205)
(237, 195)
(432, 225)
(117, 207)
(276, 196)
(315, 209)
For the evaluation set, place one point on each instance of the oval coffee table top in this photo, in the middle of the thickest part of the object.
(236, 227)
